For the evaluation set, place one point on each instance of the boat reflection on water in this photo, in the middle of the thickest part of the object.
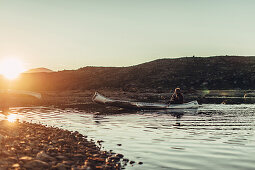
(177, 113)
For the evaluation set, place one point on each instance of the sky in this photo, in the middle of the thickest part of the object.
(69, 34)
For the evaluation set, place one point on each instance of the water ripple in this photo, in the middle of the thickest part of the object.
(212, 137)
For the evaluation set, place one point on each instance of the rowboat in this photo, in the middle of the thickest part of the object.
(100, 99)
(22, 92)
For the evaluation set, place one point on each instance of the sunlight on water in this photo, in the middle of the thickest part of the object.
(12, 117)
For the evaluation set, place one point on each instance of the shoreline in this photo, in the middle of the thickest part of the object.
(81, 99)
(27, 146)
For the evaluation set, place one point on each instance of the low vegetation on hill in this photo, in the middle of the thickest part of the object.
(220, 72)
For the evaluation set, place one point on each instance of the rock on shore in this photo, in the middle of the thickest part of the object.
(34, 146)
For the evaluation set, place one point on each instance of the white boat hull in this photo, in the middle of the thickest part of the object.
(100, 99)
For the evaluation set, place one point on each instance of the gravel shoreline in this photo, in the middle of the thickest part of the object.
(34, 146)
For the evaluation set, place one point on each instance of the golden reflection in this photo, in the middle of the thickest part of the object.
(224, 94)
(205, 92)
(12, 117)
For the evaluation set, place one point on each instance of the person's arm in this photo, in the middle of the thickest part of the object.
(173, 97)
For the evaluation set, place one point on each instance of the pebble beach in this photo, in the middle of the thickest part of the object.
(26, 145)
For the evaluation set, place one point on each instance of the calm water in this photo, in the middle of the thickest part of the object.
(213, 137)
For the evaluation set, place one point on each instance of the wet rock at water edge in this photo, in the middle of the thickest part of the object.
(125, 160)
(119, 155)
(132, 162)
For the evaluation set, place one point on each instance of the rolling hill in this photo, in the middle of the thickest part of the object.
(219, 72)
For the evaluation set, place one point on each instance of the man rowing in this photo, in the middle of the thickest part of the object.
(177, 97)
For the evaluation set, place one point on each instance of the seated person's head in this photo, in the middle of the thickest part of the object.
(177, 90)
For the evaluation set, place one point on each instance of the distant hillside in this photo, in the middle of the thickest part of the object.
(220, 72)
(39, 70)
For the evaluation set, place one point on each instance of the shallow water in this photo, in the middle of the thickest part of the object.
(212, 137)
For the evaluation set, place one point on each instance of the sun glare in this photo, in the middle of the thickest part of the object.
(12, 118)
(11, 68)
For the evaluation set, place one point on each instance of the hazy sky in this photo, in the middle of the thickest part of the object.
(68, 34)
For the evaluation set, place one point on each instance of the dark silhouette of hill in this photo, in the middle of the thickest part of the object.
(220, 72)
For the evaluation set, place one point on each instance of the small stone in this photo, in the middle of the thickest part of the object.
(97, 159)
(68, 162)
(119, 155)
(25, 158)
(4, 167)
(100, 141)
(61, 141)
(132, 162)
(15, 165)
(44, 157)
(80, 135)
(78, 156)
(36, 164)
(87, 163)
(54, 141)
(140, 163)
(117, 166)
(1, 137)
(126, 160)
(60, 157)
(114, 158)
(60, 166)
(12, 159)
(3, 162)
(96, 155)
(4, 154)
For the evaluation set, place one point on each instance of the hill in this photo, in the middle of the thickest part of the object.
(219, 72)
(39, 70)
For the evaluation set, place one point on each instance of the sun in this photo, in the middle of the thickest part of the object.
(11, 68)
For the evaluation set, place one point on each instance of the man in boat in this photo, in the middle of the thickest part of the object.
(177, 97)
